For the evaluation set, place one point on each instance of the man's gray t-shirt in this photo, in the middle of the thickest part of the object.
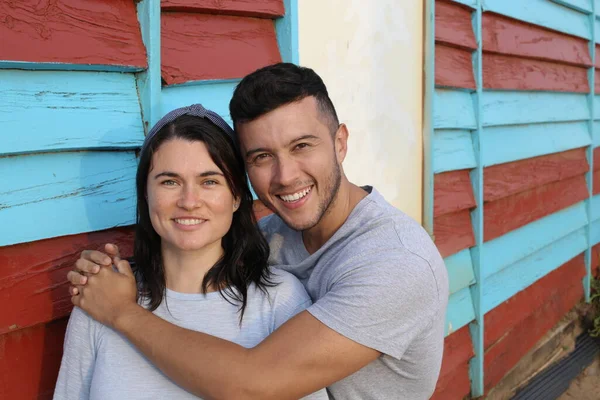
(100, 364)
(379, 281)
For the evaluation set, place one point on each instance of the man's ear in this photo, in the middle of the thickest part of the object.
(341, 142)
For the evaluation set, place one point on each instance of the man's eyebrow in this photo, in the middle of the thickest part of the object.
(298, 139)
(170, 174)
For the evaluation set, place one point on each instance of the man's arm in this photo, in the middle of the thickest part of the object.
(299, 358)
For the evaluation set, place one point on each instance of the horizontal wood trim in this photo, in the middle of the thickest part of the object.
(505, 353)
(30, 360)
(453, 150)
(453, 109)
(453, 67)
(453, 232)
(453, 382)
(453, 25)
(452, 191)
(503, 180)
(460, 270)
(509, 281)
(460, 310)
(513, 37)
(66, 193)
(544, 13)
(513, 311)
(512, 73)
(98, 32)
(513, 108)
(509, 213)
(89, 110)
(519, 142)
(515, 246)
(203, 47)
(33, 277)
(247, 8)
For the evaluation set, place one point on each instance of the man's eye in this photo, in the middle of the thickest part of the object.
(301, 146)
(169, 182)
(261, 157)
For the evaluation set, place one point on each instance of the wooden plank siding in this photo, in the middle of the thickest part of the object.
(91, 34)
(191, 40)
(453, 382)
(247, 8)
(514, 327)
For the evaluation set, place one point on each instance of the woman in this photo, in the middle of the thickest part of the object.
(200, 262)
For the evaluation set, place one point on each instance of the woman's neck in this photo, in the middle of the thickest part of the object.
(185, 270)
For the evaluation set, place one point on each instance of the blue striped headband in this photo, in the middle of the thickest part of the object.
(195, 110)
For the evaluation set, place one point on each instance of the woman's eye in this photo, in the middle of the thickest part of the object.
(211, 182)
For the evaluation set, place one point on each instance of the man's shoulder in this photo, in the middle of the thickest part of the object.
(270, 225)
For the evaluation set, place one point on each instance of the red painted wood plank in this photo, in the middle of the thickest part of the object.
(597, 159)
(30, 360)
(512, 37)
(452, 191)
(596, 260)
(453, 232)
(505, 353)
(512, 312)
(596, 183)
(200, 46)
(104, 32)
(453, 25)
(512, 73)
(33, 277)
(503, 180)
(512, 212)
(453, 67)
(596, 83)
(597, 63)
(248, 8)
(453, 382)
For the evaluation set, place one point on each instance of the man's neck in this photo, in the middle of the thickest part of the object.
(348, 197)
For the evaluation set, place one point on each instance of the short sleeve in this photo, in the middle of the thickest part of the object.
(383, 301)
(79, 356)
(289, 297)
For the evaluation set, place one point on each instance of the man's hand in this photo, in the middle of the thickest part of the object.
(89, 263)
(108, 294)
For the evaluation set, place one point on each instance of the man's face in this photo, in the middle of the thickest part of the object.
(293, 163)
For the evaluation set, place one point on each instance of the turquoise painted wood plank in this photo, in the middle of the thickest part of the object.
(287, 32)
(595, 207)
(56, 194)
(460, 311)
(517, 142)
(520, 243)
(597, 107)
(595, 233)
(543, 13)
(49, 66)
(470, 3)
(511, 108)
(509, 281)
(452, 150)
(453, 109)
(52, 110)
(214, 95)
(583, 6)
(597, 23)
(150, 81)
(460, 270)
(597, 9)
(596, 134)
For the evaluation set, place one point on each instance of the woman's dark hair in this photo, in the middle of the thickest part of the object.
(276, 85)
(246, 251)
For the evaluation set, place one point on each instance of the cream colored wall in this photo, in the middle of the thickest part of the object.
(369, 53)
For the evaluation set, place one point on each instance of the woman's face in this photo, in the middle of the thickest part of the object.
(190, 204)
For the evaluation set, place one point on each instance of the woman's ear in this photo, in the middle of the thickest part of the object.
(236, 204)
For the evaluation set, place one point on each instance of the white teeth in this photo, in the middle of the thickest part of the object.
(295, 196)
(189, 221)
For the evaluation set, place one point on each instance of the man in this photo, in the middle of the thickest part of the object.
(379, 286)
